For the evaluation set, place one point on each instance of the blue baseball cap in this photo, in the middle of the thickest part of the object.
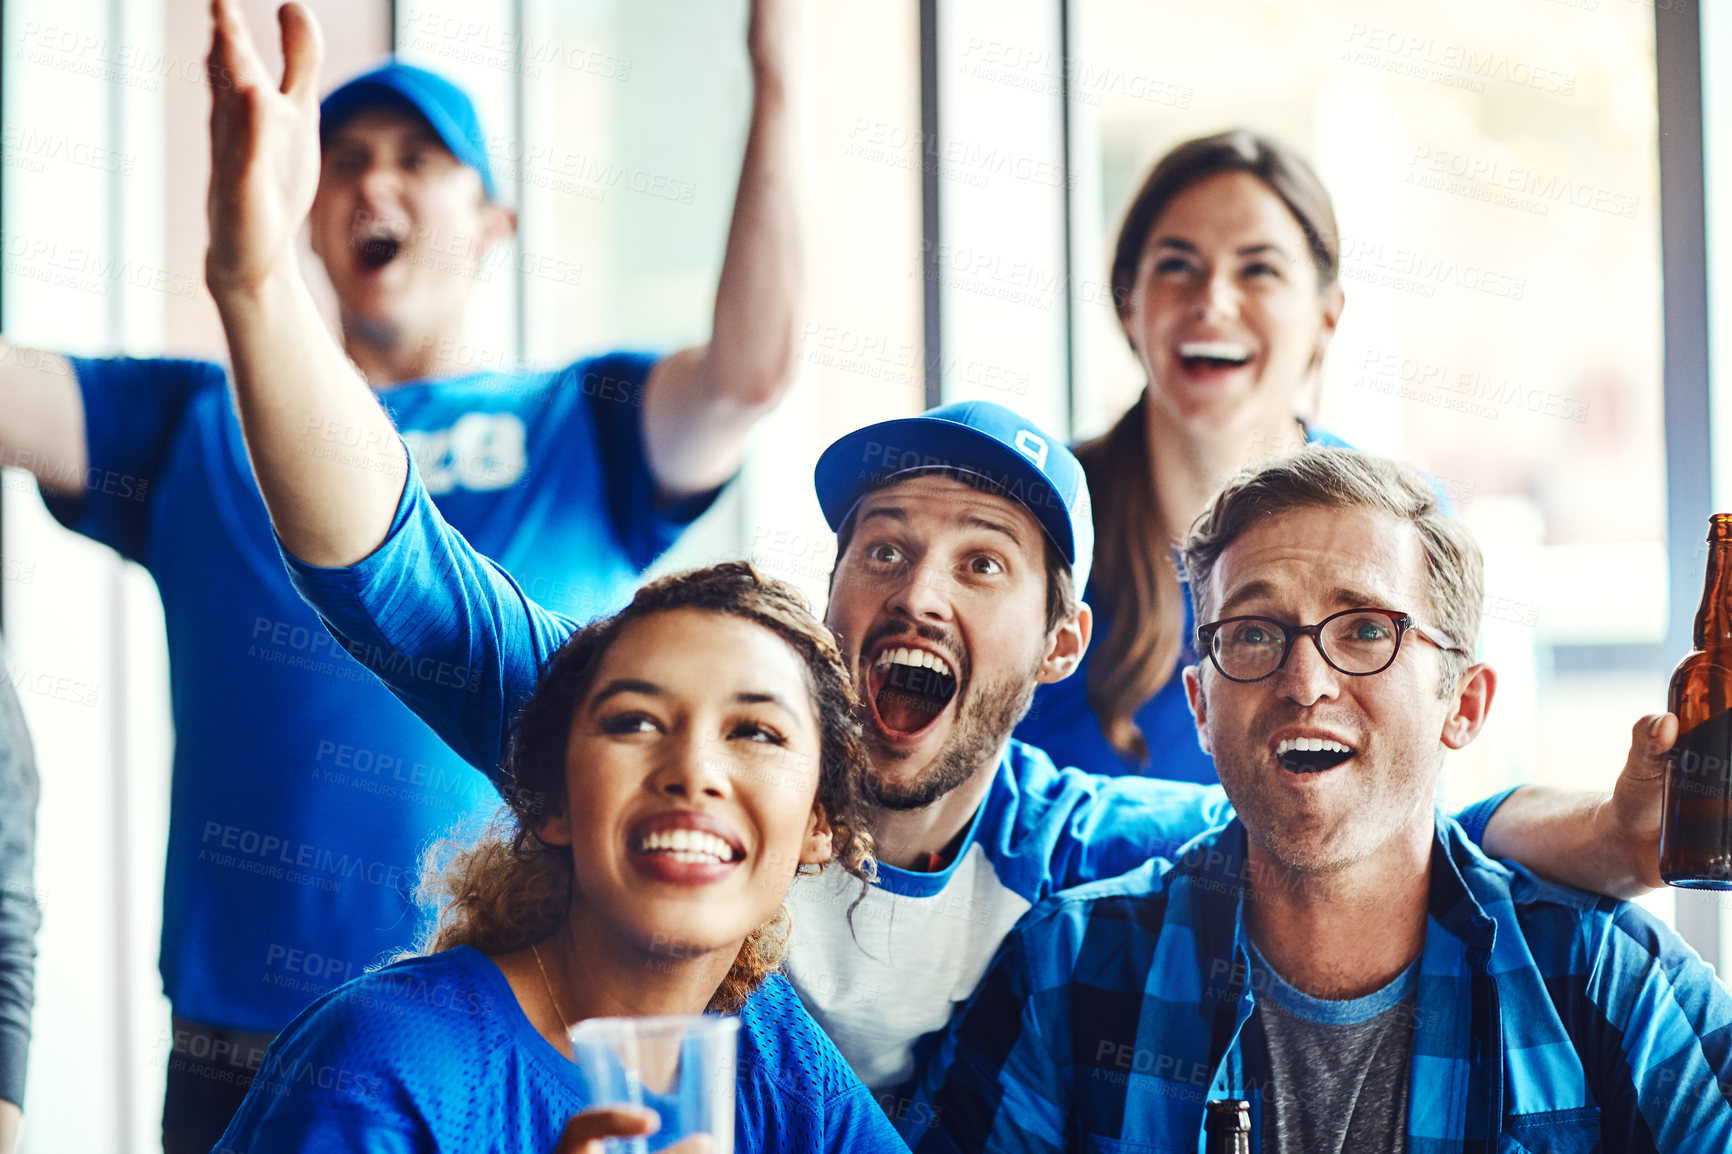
(976, 439)
(445, 107)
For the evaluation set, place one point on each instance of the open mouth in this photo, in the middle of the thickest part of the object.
(375, 252)
(910, 688)
(697, 846)
(1310, 754)
(1199, 356)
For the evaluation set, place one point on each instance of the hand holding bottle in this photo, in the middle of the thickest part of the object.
(1696, 832)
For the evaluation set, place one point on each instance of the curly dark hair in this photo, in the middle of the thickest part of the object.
(511, 889)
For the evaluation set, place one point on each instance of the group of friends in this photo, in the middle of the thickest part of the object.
(1104, 787)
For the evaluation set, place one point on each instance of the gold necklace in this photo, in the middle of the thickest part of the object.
(549, 985)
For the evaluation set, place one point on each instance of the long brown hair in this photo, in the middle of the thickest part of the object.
(511, 889)
(1136, 581)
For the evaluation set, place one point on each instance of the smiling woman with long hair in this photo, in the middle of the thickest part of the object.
(1224, 277)
(680, 763)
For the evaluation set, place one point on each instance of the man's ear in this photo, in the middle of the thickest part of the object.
(1067, 644)
(498, 225)
(819, 845)
(1469, 705)
(1199, 705)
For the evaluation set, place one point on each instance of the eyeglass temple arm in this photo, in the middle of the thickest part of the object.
(1437, 637)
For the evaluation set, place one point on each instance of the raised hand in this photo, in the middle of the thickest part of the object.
(292, 383)
(264, 148)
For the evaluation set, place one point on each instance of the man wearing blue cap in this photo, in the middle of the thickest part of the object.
(303, 792)
(963, 535)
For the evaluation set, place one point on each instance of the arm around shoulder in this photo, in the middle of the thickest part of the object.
(1603, 843)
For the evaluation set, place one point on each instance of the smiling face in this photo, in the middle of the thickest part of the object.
(1277, 742)
(1226, 313)
(690, 778)
(939, 603)
(400, 224)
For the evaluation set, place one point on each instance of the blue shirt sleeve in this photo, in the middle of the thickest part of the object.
(854, 1123)
(132, 409)
(342, 1076)
(1474, 817)
(446, 629)
(613, 389)
(1129, 821)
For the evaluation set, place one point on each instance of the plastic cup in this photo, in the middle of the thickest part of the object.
(682, 1066)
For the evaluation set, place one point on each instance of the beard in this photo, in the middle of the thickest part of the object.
(984, 720)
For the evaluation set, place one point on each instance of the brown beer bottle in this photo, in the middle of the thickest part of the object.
(1696, 834)
(1227, 1126)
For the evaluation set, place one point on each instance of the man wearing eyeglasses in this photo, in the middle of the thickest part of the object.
(1340, 955)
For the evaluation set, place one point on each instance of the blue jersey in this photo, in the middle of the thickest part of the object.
(1062, 722)
(303, 792)
(435, 1054)
(878, 972)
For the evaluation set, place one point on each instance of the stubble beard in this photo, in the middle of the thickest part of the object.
(984, 721)
(1319, 843)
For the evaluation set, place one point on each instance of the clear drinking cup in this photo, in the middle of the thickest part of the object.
(682, 1066)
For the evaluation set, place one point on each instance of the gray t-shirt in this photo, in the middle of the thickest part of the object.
(1337, 1070)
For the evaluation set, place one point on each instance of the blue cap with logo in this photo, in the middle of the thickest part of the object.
(976, 439)
(445, 107)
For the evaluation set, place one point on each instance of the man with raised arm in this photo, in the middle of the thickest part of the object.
(302, 791)
(1341, 956)
(962, 537)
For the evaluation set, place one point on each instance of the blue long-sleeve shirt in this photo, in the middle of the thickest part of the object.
(1546, 1019)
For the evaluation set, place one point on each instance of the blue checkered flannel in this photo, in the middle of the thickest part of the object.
(1546, 1020)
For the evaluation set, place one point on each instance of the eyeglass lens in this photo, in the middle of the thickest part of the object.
(1352, 642)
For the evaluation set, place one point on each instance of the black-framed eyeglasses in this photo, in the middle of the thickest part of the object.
(1358, 642)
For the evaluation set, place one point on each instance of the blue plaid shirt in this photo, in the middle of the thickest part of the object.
(1546, 1019)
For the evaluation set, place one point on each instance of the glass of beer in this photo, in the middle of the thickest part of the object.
(682, 1066)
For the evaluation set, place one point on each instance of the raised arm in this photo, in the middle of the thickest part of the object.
(41, 417)
(700, 403)
(448, 631)
(328, 460)
(1605, 843)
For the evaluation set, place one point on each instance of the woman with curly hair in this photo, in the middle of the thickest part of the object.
(679, 764)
